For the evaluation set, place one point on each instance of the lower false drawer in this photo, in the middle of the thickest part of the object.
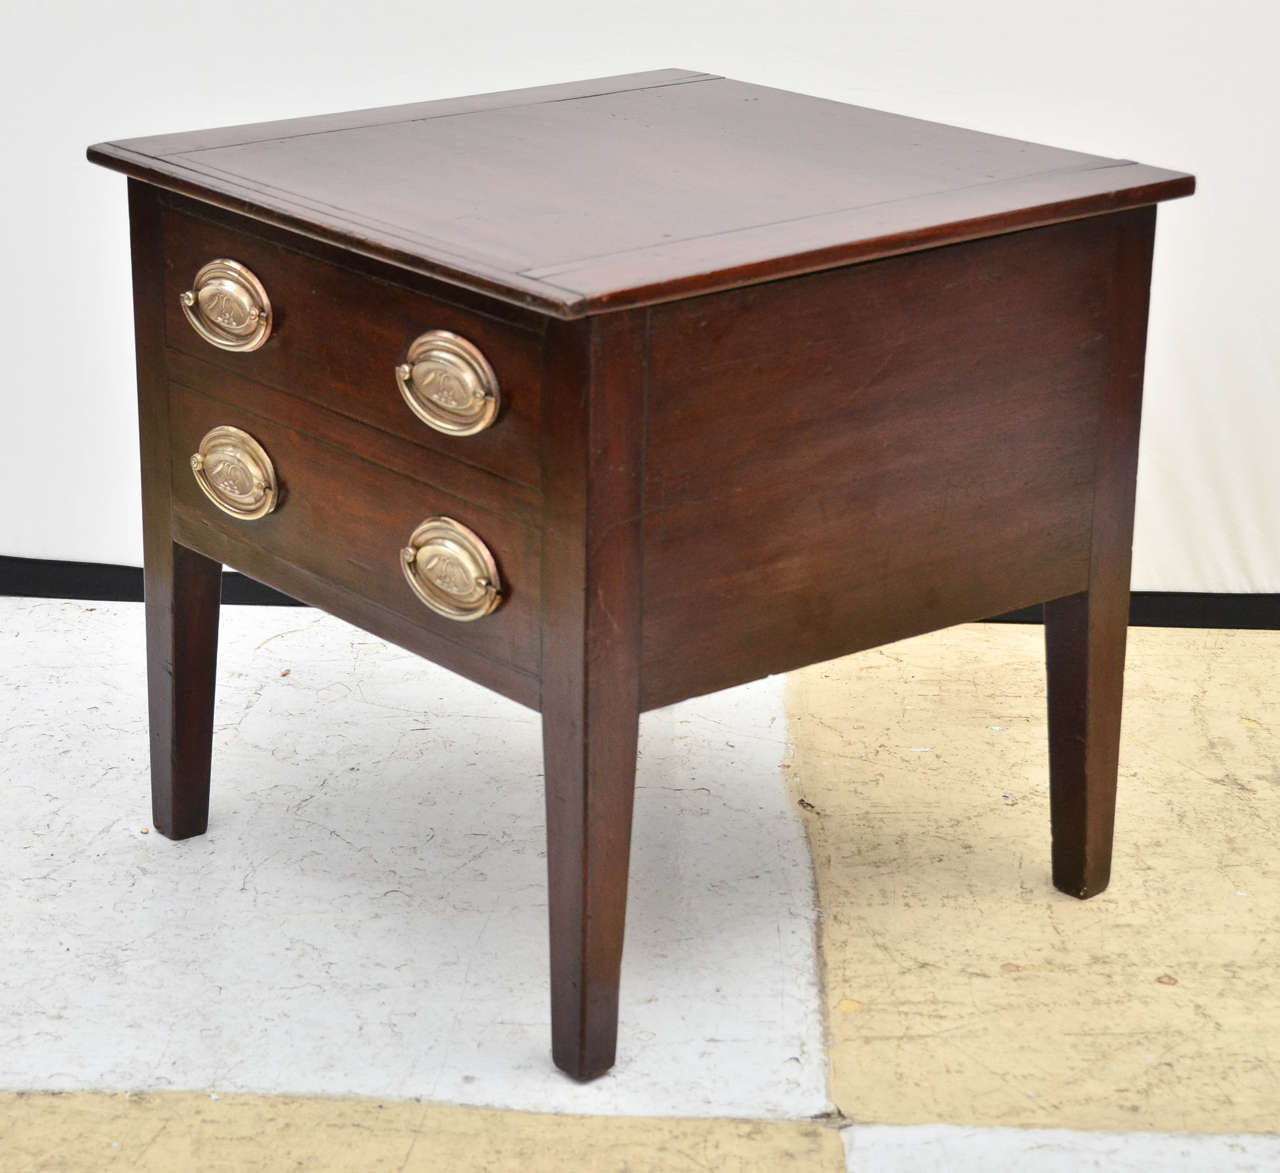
(292, 503)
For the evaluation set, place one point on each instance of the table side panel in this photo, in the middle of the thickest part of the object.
(838, 461)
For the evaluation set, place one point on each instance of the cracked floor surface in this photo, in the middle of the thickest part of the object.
(365, 918)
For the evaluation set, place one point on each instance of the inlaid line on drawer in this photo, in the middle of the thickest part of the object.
(348, 435)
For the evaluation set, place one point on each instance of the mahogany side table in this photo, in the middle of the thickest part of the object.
(613, 393)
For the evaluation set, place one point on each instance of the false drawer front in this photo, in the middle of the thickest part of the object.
(456, 380)
(291, 500)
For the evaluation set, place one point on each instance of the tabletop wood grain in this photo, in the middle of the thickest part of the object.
(634, 190)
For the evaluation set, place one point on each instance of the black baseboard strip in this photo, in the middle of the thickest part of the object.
(1183, 609)
(38, 578)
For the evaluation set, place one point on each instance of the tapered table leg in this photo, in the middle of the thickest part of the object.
(593, 419)
(1084, 645)
(183, 590)
(590, 756)
(1085, 633)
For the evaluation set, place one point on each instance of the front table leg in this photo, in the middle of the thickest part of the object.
(591, 572)
(183, 591)
(589, 749)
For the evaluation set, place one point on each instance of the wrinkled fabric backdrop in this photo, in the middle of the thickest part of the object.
(1189, 86)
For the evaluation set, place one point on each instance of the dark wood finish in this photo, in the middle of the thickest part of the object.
(181, 588)
(345, 520)
(635, 189)
(257, 132)
(594, 447)
(338, 337)
(1085, 633)
(860, 377)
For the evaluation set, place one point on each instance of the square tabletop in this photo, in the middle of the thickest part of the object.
(637, 189)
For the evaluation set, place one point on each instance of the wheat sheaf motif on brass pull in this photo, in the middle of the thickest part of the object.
(448, 384)
(446, 389)
(234, 471)
(451, 570)
(447, 573)
(228, 306)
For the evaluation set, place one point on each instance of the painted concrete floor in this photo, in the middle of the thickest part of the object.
(366, 917)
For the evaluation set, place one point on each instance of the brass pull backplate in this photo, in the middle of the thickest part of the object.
(234, 471)
(451, 570)
(448, 384)
(228, 307)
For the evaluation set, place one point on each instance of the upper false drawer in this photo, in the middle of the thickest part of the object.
(449, 377)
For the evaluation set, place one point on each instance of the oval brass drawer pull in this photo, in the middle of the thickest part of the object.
(234, 471)
(449, 384)
(451, 570)
(228, 307)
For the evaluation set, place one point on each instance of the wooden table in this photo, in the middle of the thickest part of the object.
(613, 393)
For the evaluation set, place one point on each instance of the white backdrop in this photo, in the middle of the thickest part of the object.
(1186, 84)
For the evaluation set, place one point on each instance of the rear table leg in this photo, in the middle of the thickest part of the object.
(1084, 646)
(1085, 633)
